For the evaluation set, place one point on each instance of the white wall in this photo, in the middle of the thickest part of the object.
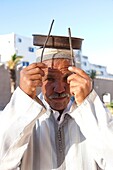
(6, 46)
(22, 48)
(10, 44)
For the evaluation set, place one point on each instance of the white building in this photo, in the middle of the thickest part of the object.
(101, 71)
(85, 65)
(22, 46)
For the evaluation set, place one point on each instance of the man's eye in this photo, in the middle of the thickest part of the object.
(65, 78)
(50, 79)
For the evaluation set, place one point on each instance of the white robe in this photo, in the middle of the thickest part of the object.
(32, 139)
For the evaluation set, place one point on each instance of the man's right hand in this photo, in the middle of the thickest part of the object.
(31, 78)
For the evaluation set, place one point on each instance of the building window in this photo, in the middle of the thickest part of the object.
(31, 49)
(25, 63)
(84, 63)
(19, 40)
(102, 73)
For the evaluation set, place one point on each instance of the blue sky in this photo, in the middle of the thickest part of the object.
(90, 20)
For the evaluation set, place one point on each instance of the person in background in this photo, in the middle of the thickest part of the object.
(52, 131)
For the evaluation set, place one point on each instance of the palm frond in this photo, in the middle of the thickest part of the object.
(11, 64)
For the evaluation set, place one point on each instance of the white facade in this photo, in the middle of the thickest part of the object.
(22, 46)
(6, 47)
(85, 65)
(101, 71)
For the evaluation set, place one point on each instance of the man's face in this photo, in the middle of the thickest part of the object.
(55, 87)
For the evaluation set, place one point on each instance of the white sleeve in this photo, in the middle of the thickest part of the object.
(16, 123)
(96, 123)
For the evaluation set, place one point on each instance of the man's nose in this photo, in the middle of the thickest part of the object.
(59, 87)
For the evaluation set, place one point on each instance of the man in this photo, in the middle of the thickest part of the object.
(52, 132)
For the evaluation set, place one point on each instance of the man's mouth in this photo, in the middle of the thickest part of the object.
(59, 96)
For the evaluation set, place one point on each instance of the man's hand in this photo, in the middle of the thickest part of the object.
(31, 78)
(80, 84)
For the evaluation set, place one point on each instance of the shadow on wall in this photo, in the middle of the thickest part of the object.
(104, 86)
(5, 89)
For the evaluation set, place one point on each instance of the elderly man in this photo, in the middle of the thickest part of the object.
(53, 132)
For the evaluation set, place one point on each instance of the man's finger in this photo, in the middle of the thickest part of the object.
(79, 72)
